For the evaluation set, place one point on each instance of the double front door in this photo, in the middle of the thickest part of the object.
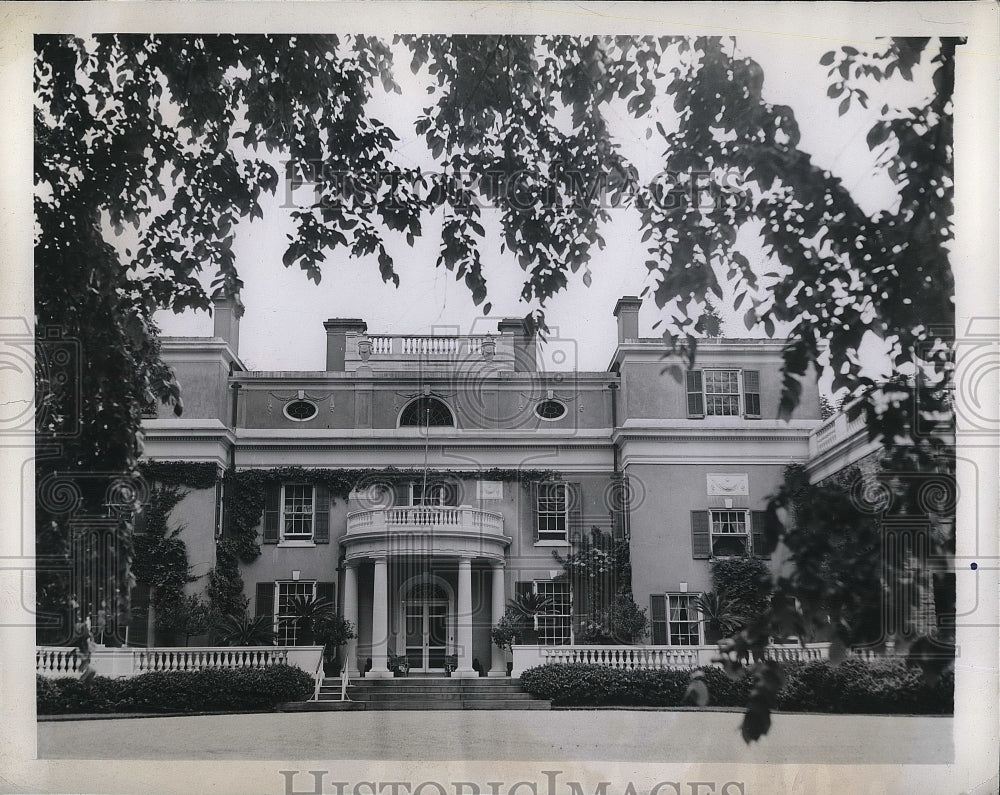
(426, 633)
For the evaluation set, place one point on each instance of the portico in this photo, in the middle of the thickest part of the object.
(427, 583)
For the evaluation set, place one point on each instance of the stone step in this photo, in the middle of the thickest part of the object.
(411, 704)
(400, 696)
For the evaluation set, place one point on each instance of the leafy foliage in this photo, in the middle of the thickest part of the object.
(164, 134)
(509, 629)
(743, 582)
(188, 474)
(853, 686)
(599, 571)
(245, 630)
(177, 691)
(307, 614)
(161, 562)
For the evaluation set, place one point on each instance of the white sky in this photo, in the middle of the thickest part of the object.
(282, 328)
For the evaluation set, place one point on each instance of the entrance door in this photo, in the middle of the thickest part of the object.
(426, 633)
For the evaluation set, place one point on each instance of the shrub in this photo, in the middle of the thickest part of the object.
(176, 691)
(853, 686)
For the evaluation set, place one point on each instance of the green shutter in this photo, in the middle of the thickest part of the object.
(701, 541)
(325, 592)
(658, 619)
(321, 512)
(264, 604)
(759, 548)
(751, 393)
(695, 398)
(272, 512)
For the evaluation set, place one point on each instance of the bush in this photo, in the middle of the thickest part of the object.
(176, 691)
(853, 686)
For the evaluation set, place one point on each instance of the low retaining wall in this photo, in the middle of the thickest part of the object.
(649, 657)
(64, 661)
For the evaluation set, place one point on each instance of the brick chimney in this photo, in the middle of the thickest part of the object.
(337, 331)
(627, 313)
(523, 343)
(226, 312)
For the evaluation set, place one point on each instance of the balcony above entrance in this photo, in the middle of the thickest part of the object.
(423, 530)
(350, 348)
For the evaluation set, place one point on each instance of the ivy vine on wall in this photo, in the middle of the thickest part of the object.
(187, 474)
(245, 490)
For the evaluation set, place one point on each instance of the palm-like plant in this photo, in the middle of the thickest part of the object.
(307, 614)
(720, 612)
(529, 605)
(245, 630)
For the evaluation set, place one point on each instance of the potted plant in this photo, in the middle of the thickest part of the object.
(333, 631)
(450, 664)
(399, 664)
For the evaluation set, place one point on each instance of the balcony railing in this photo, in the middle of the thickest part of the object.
(388, 345)
(426, 519)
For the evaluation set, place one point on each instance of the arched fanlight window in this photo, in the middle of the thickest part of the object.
(425, 412)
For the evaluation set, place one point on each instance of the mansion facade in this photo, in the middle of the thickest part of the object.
(496, 463)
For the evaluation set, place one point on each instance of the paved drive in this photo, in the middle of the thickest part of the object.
(612, 735)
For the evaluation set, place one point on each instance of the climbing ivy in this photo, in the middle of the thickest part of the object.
(189, 474)
(160, 561)
(245, 489)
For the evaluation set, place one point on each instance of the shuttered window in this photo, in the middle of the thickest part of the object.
(321, 526)
(701, 540)
(658, 619)
(695, 398)
(759, 545)
(272, 512)
(717, 393)
(751, 393)
(675, 620)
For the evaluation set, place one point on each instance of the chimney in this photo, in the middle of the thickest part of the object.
(227, 311)
(627, 312)
(523, 343)
(337, 330)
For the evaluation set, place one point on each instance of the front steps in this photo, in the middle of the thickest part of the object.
(421, 693)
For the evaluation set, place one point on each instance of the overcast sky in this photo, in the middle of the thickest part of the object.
(282, 328)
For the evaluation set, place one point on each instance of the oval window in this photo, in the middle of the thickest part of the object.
(300, 410)
(550, 409)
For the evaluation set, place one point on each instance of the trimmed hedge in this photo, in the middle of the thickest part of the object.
(853, 686)
(176, 691)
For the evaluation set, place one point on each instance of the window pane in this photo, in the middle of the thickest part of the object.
(722, 396)
(285, 630)
(551, 511)
(729, 533)
(684, 620)
(298, 511)
(555, 623)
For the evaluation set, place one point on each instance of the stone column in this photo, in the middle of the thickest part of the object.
(499, 666)
(351, 614)
(464, 619)
(380, 621)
